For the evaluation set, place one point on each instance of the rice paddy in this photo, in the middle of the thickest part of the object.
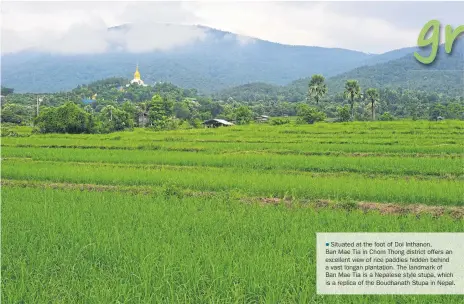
(225, 215)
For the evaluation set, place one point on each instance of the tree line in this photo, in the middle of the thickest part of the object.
(362, 104)
(108, 106)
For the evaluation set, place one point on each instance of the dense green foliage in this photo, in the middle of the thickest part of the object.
(68, 118)
(6, 91)
(310, 115)
(343, 114)
(192, 108)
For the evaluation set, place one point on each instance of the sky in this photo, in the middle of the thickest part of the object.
(81, 26)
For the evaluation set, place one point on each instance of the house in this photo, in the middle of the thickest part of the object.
(262, 118)
(214, 123)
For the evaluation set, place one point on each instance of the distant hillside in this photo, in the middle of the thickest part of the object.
(445, 75)
(231, 65)
(218, 61)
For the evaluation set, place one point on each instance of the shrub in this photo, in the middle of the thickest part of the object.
(113, 119)
(279, 121)
(386, 117)
(343, 114)
(437, 111)
(68, 118)
(309, 115)
(243, 115)
(195, 123)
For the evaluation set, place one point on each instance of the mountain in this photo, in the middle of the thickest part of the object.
(228, 65)
(445, 76)
(214, 61)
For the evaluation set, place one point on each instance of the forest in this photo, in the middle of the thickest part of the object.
(109, 105)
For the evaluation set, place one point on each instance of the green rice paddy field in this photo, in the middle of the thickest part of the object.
(225, 215)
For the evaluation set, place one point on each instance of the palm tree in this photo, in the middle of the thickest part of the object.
(372, 96)
(317, 88)
(352, 91)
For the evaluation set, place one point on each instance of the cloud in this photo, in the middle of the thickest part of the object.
(404, 14)
(315, 24)
(82, 28)
(72, 26)
(145, 37)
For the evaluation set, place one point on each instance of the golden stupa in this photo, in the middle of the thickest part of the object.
(137, 79)
(137, 73)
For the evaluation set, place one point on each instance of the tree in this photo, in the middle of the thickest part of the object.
(131, 108)
(343, 114)
(6, 91)
(437, 111)
(15, 113)
(310, 115)
(182, 110)
(372, 96)
(352, 91)
(68, 118)
(228, 112)
(88, 109)
(160, 111)
(317, 88)
(243, 115)
(386, 117)
(455, 110)
(113, 119)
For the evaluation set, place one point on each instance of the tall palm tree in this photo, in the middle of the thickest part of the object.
(372, 96)
(352, 91)
(317, 88)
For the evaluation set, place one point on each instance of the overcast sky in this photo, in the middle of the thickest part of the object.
(80, 26)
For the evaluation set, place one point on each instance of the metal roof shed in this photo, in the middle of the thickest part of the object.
(217, 123)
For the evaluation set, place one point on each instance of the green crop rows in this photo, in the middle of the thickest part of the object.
(74, 245)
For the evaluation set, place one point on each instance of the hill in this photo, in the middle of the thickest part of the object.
(219, 60)
(445, 76)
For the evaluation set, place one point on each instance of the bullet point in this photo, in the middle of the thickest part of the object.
(327, 244)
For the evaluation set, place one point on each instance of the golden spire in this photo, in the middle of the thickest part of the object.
(137, 73)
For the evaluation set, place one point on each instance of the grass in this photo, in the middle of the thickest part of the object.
(98, 243)
(108, 247)
(253, 161)
(270, 183)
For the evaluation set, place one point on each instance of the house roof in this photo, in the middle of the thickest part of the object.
(221, 121)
